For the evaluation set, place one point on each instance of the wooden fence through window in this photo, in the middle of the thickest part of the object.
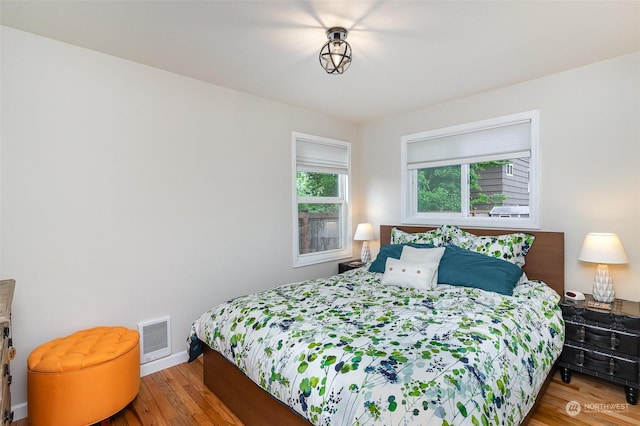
(318, 232)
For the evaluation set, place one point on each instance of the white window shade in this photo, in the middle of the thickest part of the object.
(495, 143)
(322, 157)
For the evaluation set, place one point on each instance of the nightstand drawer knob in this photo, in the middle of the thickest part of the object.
(580, 358)
(581, 334)
(615, 342)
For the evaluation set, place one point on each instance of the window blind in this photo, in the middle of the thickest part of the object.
(322, 157)
(501, 142)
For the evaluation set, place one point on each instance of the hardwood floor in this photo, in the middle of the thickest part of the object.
(177, 397)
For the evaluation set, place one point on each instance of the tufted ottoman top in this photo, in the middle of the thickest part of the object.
(82, 349)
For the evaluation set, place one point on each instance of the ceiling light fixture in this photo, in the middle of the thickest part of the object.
(335, 55)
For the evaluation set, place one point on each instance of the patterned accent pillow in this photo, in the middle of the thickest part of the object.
(510, 247)
(450, 231)
(434, 237)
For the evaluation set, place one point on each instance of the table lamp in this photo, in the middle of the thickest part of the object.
(364, 233)
(603, 249)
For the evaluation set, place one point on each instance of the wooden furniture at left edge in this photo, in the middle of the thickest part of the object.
(254, 406)
(7, 352)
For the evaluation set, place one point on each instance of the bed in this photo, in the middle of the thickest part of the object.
(350, 350)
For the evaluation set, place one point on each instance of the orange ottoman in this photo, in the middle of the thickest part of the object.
(83, 378)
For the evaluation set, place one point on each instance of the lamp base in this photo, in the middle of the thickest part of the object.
(365, 254)
(603, 285)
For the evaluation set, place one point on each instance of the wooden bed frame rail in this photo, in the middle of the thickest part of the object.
(249, 402)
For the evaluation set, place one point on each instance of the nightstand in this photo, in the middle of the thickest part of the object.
(603, 343)
(349, 265)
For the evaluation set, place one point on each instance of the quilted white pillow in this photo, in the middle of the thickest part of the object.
(421, 255)
(406, 274)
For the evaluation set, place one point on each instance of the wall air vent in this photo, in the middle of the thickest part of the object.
(155, 339)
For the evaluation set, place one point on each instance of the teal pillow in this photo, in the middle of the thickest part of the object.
(391, 250)
(470, 269)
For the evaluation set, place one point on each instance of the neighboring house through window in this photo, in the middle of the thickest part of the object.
(483, 173)
(321, 210)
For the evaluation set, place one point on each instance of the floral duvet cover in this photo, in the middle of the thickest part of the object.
(347, 350)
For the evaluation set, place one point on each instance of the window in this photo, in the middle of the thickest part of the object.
(322, 217)
(508, 169)
(483, 173)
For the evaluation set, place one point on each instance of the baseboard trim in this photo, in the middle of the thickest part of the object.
(163, 363)
(20, 411)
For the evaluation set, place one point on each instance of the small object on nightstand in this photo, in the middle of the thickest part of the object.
(602, 342)
(599, 305)
(573, 295)
(349, 265)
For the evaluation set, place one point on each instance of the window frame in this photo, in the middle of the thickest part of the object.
(344, 183)
(408, 190)
(509, 169)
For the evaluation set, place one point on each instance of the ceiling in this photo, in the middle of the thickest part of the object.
(406, 54)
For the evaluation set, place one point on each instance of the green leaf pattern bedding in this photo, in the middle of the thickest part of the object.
(347, 350)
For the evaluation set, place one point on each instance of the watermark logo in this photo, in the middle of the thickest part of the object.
(598, 407)
(573, 408)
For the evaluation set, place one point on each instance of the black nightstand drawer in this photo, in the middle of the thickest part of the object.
(601, 364)
(603, 338)
(615, 320)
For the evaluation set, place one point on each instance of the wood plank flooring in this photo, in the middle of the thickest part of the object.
(177, 397)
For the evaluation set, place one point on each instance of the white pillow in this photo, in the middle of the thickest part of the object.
(405, 274)
(421, 255)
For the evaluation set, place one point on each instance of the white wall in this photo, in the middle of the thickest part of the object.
(128, 193)
(590, 154)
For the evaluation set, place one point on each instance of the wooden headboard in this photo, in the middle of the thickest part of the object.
(545, 260)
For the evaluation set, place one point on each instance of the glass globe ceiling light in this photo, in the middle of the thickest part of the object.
(335, 55)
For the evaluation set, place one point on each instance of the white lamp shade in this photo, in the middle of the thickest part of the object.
(604, 248)
(364, 232)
